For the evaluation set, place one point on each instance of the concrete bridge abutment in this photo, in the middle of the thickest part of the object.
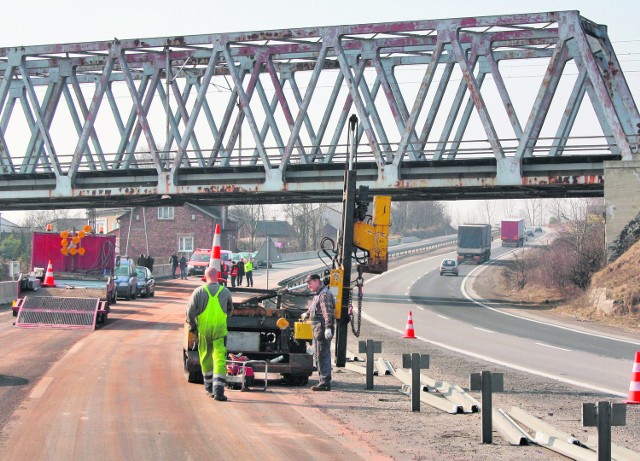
(621, 197)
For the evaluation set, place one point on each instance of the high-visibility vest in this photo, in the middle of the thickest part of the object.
(248, 267)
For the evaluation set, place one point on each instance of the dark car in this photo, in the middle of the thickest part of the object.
(126, 278)
(263, 263)
(449, 266)
(530, 232)
(146, 282)
(538, 229)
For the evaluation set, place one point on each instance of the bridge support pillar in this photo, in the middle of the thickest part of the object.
(621, 192)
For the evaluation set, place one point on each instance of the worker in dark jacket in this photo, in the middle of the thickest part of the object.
(207, 312)
(321, 312)
(173, 260)
(240, 272)
(142, 261)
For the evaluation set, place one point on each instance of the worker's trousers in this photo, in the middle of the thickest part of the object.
(322, 353)
(213, 360)
(249, 278)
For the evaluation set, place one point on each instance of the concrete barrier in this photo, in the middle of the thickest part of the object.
(8, 292)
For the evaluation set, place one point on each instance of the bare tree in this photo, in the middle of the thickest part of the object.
(38, 219)
(306, 219)
(248, 217)
(521, 268)
(487, 210)
(508, 208)
(406, 216)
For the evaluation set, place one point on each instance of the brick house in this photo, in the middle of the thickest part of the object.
(161, 231)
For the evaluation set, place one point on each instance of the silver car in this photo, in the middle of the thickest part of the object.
(449, 266)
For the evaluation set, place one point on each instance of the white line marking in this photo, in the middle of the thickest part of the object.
(475, 301)
(482, 329)
(5, 313)
(443, 317)
(499, 362)
(41, 387)
(553, 347)
(419, 307)
(406, 293)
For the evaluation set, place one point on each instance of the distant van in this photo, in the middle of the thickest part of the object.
(199, 260)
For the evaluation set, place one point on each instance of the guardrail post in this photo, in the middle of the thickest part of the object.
(487, 382)
(416, 362)
(605, 415)
(370, 347)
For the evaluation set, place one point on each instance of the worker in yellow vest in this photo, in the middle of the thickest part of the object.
(207, 312)
(248, 272)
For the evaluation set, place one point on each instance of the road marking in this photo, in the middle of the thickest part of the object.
(5, 313)
(406, 293)
(443, 317)
(482, 329)
(41, 387)
(553, 347)
(498, 362)
(419, 307)
(463, 288)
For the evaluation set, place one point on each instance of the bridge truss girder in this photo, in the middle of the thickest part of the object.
(131, 121)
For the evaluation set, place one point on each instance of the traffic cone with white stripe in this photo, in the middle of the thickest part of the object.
(48, 277)
(634, 387)
(214, 260)
(409, 333)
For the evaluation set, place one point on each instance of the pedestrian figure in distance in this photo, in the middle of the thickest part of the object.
(142, 261)
(173, 260)
(183, 268)
(240, 271)
(234, 274)
(150, 261)
(248, 271)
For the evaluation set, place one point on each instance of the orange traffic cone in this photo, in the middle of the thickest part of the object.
(634, 387)
(409, 333)
(48, 277)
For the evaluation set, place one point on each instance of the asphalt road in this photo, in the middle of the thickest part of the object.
(443, 315)
(119, 393)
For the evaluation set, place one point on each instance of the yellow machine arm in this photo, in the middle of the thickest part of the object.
(374, 238)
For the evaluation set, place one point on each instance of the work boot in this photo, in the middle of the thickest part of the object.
(321, 387)
(209, 389)
(220, 397)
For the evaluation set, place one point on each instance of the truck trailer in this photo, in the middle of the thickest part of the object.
(512, 232)
(474, 243)
(82, 267)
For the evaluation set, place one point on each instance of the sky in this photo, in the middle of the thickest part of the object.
(39, 22)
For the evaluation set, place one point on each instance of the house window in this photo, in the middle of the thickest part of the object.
(165, 212)
(185, 244)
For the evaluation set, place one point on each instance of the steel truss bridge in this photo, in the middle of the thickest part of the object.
(261, 117)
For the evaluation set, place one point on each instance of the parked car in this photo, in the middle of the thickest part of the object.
(199, 260)
(538, 229)
(263, 263)
(449, 266)
(126, 278)
(146, 282)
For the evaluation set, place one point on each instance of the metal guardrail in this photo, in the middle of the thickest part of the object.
(299, 278)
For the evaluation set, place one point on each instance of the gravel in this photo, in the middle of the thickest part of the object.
(383, 417)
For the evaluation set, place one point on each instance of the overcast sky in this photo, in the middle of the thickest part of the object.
(37, 22)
